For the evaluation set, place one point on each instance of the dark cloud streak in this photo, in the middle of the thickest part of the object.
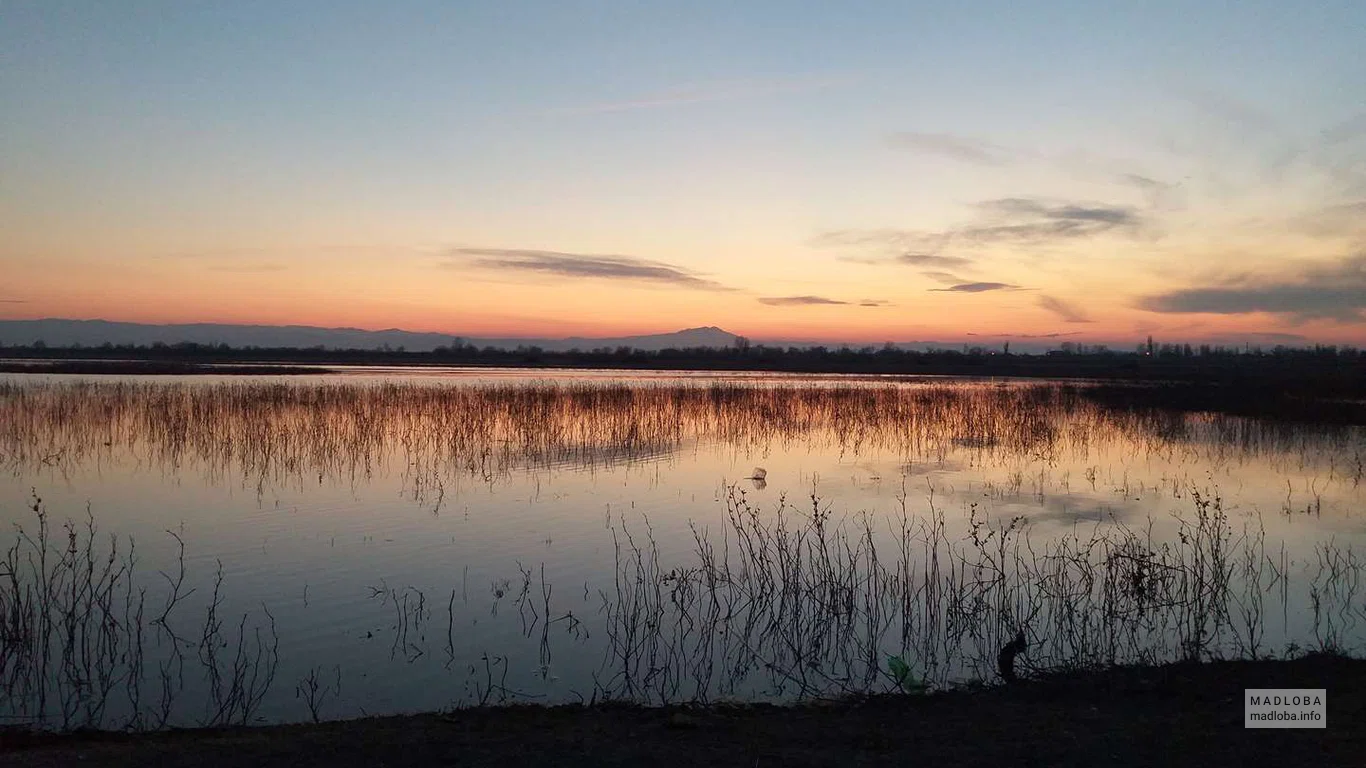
(1027, 220)
(933, 260)
(1016, 222)
(978, 287)
(1333, 292)
(798, 301)
(588, 266)
(947, 278)
(1057, 335)
(1068, 312)
(805, 301)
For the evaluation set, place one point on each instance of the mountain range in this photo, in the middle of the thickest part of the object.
(91, 333)
(56, 332)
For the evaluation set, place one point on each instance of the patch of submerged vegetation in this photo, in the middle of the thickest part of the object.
(82, 646)
(786, 604)
(793, 604)
(270, 431)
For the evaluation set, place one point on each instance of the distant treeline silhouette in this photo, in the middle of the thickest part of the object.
(1320, 370)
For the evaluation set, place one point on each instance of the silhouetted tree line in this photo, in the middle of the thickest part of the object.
(1334, 368)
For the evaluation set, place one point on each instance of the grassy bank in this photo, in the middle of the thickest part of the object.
(1180, 714)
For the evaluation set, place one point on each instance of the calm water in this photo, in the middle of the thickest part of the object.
(415, 541)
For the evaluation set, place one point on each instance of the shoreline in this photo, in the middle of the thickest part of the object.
(1265, 398)
(156, 368)
(1320, 376)
(1176, 714)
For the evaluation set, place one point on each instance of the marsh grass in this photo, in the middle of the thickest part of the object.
(81, 646)
(789, 603)
(792, 604)
(344, 433)
(786, 601)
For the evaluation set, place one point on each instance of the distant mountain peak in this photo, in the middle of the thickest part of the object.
(58, 332)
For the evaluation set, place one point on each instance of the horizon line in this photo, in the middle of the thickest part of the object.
(971, 338)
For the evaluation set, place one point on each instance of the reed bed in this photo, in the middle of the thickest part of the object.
(785, 601)
(84, 645)
(792, 603)
(277, 432)
(788, 603)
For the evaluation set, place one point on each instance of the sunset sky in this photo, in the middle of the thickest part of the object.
(859, 171)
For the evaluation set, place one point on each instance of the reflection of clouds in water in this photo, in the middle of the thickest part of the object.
(926, 468)
(1064, 509)
(638, 453)
(1068, 511)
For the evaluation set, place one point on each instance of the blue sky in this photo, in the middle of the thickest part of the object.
(287, 153)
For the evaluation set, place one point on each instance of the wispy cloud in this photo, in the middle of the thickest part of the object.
(1255, 146)
(1229, 109)
(1023, 220)
(13, 301)
(1068, 312)
(798, 301)
(1015, 222)
(1268, 337)
(580, 265)
(1026, 335)
(1142, 182)
(1347, 129)
(953, 146)
(944, 278)
(979, 287)
(1076, 163)
(697, 93)
(934, 260)
(859, 238)
(1158, 194)
(801, 301)
(892, 246)
(1334, 291)
(1335, 220)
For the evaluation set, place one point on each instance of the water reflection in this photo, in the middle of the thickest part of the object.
(272, 432)
(676, 539)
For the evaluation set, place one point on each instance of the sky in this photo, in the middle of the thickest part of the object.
(858, 171)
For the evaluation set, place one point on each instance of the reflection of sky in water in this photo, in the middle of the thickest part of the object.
(452, 503)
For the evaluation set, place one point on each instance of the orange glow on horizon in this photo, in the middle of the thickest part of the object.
(808, 328)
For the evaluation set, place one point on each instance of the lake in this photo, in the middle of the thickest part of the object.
(217, 549)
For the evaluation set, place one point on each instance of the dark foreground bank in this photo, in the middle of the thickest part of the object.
(1176, 715)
